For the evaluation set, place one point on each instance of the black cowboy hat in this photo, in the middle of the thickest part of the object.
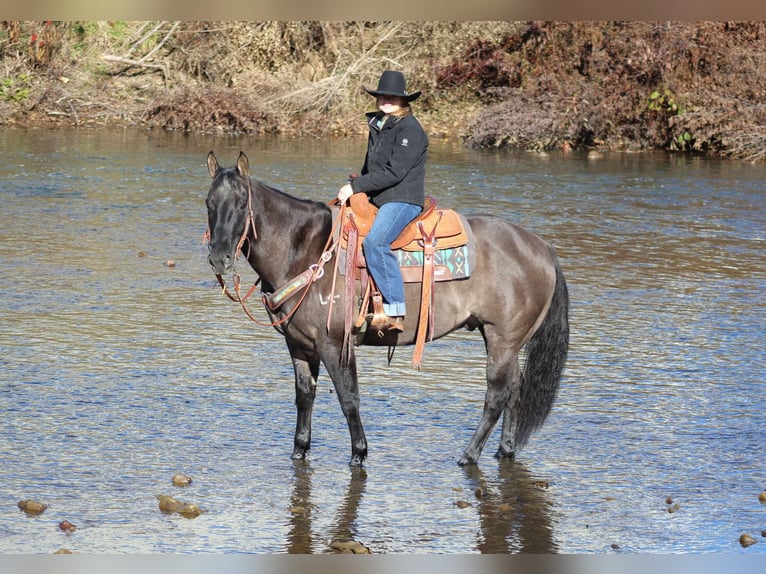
(392, 83)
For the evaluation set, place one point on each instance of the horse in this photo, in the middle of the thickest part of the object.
(516, 297)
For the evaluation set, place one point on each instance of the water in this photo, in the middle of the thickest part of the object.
(119, 370)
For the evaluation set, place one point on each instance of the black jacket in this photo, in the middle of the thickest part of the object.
(394, 167)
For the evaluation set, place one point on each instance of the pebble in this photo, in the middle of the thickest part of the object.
(168, 504)
(32, 507)
(762, 497)
(181, 480)
(170, 263)
(67, 526)
(190, 510)
(746, 540)
(350, 547)
(462, 503)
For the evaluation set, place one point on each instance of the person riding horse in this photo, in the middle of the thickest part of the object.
(393, 177)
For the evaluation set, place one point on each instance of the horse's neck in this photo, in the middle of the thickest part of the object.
(290, 234)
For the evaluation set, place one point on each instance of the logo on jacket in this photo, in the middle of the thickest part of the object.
(405, 142)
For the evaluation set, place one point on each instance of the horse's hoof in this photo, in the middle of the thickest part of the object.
(356, 461)
(504, 454)
(465, 460)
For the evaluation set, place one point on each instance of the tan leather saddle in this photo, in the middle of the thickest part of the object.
(433, 229)
(446, 223)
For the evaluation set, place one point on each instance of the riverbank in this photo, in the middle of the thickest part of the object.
(692, 87)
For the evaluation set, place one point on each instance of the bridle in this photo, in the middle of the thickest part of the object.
(308, 277)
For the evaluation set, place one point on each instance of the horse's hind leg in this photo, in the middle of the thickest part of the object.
(502, 361)
(506, 448)
(306, 373)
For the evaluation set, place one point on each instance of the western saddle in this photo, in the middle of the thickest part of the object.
(434, 229)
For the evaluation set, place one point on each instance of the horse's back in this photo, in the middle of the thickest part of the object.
(504, 249)
(514, 272)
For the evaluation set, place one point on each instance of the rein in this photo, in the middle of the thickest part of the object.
(307, 278)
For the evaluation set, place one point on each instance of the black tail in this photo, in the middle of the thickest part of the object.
(544, 365)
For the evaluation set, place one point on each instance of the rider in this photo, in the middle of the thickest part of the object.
(393, 177)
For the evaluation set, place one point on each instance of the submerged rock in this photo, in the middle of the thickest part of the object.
(190, 510)
(746, 540)
(170, 505)
(762, 497)
(349, 547)
(181, 480)
(67, 526)
(32, 507)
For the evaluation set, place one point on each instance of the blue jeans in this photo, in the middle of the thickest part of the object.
(382, 262)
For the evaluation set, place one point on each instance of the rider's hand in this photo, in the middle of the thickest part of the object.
(345, 192)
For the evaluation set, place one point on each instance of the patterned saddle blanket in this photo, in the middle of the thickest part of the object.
(443, 227)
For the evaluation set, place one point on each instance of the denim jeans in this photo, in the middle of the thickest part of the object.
(382, 262)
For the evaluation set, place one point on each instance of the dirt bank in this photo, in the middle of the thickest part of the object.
(695, 87)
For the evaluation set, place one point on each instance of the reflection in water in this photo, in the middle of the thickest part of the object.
(344, 527)
(301, 538)
(514, 513)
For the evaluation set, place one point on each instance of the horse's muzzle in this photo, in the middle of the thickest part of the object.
(222, 265)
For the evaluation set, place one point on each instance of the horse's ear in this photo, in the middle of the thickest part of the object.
(243, 165)
(212, 164)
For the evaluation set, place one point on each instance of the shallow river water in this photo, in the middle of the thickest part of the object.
(118, 370)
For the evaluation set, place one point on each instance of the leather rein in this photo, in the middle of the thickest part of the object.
(307, 278)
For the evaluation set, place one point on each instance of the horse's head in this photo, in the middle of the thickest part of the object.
(227, 211)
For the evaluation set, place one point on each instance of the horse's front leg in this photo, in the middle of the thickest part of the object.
(346, 385)
(306, 373)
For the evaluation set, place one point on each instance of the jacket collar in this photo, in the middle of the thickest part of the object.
(372, 121)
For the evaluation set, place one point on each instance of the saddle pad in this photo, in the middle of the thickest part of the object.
(452, 263)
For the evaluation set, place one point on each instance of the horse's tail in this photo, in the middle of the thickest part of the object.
(546, 354)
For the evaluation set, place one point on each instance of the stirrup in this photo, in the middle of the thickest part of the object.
(382, 323)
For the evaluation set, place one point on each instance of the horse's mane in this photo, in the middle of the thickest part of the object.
(304, 203)
(298, 203)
